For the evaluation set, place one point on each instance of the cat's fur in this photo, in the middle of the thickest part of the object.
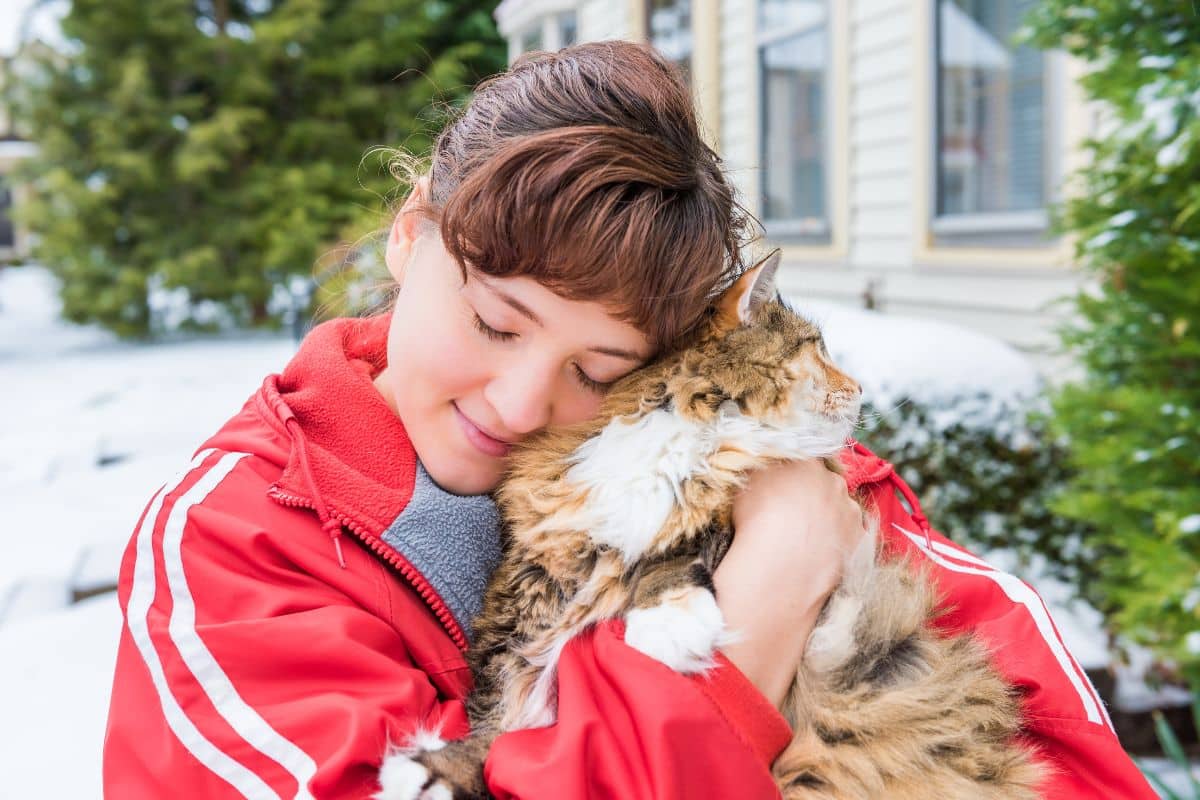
(627, 516)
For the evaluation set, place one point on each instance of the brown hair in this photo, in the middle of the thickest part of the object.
(585, 170)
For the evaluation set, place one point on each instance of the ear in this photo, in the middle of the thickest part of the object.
(405, 230)
(741, 302)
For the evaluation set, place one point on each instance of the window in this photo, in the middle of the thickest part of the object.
(531, 39)
(793, 52)
(567, 32)
(7, 239)
(991, 119)
(670, 27)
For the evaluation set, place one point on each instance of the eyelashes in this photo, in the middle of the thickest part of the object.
(587, 382)
(490, 332)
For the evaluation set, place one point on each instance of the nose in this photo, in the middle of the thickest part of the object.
(522, 397)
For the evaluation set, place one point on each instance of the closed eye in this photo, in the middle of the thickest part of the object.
(492, 333)
(599, 387)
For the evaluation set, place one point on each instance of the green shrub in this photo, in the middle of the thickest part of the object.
(984, 470)
(1131, 421)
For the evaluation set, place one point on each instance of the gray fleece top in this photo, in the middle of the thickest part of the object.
(454, 540)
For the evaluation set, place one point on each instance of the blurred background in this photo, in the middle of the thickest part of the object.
(992, 206)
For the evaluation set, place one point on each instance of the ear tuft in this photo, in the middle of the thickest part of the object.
(742, 301)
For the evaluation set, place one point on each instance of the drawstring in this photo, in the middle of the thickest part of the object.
(916, 513)
(332, 528)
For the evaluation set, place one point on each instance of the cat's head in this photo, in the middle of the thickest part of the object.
(760, 358)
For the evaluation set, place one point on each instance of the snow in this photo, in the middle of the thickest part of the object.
(94, 425)
(1176, 779)
(1174, 152)
(1122, 219)
(1133, 693)
(1156, 62)
(57, 675)
(28, 20)
(894, 356)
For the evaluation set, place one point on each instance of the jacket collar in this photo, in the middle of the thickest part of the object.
(361, 461)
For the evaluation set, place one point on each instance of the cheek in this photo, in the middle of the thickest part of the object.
(577, 407)
(808, 393)
(439, 359)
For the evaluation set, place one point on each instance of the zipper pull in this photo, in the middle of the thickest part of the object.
(334, 529)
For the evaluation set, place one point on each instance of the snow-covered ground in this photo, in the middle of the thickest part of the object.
(89, 429)
(91, 426)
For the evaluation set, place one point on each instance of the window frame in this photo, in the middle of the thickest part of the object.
(814, 231)
(999, 229)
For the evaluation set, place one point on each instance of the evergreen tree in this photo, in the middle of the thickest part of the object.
(212, 148)
(1133, 421)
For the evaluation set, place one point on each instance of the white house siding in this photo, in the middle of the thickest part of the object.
(739, 105)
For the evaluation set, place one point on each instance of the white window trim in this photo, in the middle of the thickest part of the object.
(1070, 132)
(515, 18)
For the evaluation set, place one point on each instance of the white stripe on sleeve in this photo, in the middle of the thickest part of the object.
(141, 596)
(199, 659)
(1020, 592)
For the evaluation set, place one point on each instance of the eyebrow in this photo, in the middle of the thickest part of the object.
(520, 307)
(618, 352)
(527, 312)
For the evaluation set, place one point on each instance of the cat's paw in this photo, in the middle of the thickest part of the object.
(403, 777)
(682, 631)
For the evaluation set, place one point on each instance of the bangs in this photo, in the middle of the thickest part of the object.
(596, 213)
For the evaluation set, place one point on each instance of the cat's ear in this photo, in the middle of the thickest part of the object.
(740, 303)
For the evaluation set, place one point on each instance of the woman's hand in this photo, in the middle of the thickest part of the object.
(794, 525)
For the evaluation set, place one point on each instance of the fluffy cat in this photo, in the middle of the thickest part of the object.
(627, 515)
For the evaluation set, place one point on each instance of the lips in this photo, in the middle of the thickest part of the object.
(482, 441)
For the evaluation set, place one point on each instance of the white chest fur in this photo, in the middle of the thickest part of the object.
(633, 471)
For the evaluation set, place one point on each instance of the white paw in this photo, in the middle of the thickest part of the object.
(401, 778)
(681, 632)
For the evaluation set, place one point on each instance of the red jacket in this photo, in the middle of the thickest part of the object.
(252, 663)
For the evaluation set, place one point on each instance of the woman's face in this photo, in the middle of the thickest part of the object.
(476, 365)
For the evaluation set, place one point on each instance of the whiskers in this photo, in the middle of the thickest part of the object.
(876, 415)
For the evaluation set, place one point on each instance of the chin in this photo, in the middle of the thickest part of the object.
(460, 479)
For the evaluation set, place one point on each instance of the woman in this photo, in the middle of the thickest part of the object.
(300, 597)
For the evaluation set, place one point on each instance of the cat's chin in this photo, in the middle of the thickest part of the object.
(838, 428)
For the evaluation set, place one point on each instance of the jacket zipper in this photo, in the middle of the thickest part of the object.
(388, 553)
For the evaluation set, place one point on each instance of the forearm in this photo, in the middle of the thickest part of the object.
(771, 631)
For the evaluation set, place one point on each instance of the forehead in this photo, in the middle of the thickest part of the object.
(786, 321)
